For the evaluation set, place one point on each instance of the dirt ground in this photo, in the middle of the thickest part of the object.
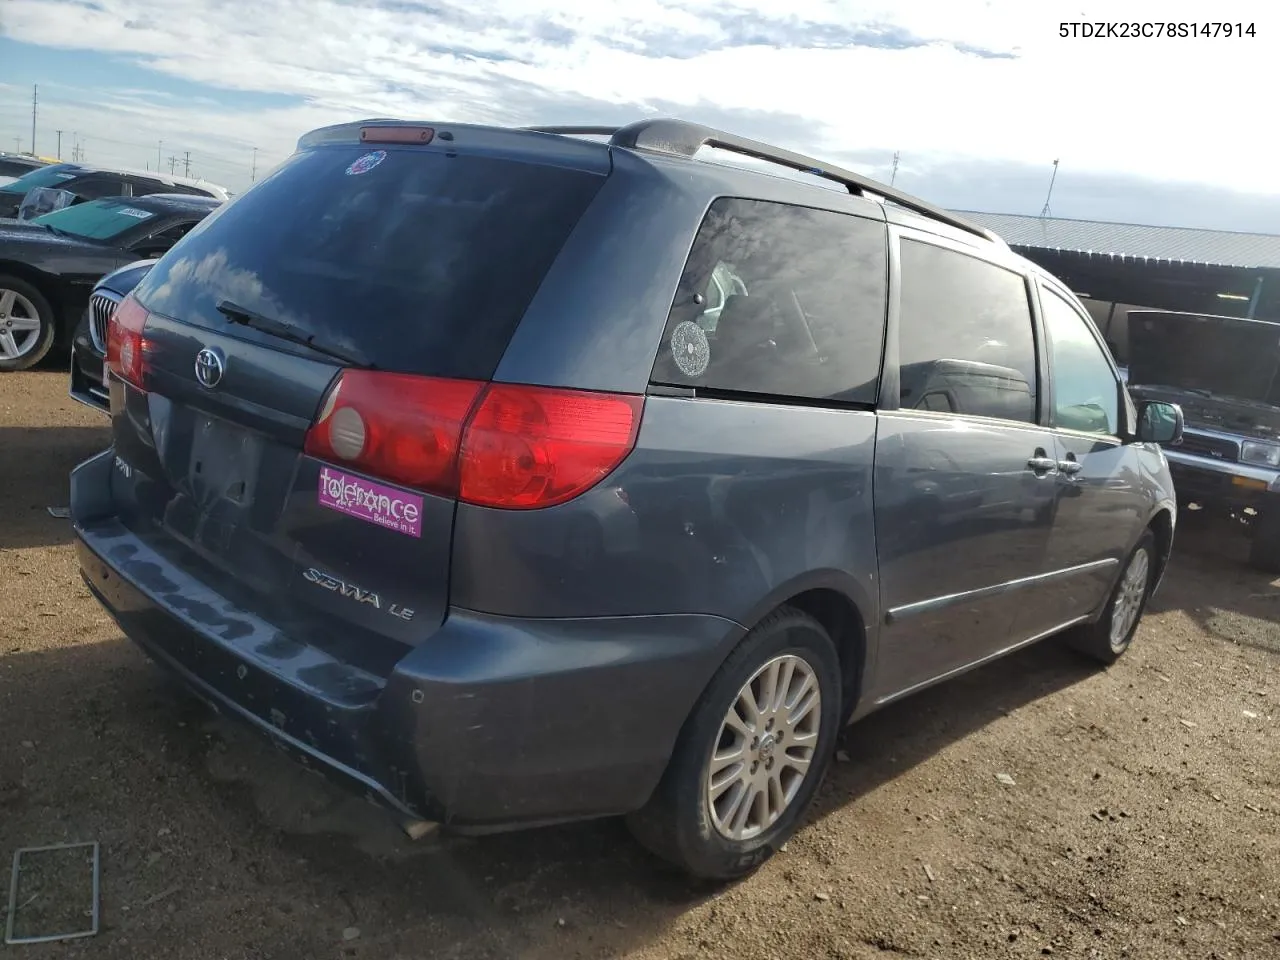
(1143, 819)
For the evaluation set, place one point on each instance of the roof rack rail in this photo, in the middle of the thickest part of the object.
(578, 130)
(683, 138)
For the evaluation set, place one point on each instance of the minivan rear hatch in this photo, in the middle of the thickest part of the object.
(395, 264)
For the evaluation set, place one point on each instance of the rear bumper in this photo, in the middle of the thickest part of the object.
(1220, 487)
(490, 723)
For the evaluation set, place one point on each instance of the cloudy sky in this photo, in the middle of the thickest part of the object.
(978, 98)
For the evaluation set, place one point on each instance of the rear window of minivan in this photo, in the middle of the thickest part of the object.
(418, 261)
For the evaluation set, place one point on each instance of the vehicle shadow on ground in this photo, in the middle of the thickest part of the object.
(188, 803)
(1209, 558)
(35, 467)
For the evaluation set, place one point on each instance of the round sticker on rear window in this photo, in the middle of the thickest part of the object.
(366, 163)
(690, 349)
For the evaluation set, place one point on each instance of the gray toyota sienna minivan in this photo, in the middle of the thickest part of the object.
(520, 476)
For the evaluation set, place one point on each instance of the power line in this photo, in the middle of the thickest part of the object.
(198, 158)
(207, 163)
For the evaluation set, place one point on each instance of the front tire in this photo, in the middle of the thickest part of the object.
(751, 754)
(1107, 640)
(27, 325)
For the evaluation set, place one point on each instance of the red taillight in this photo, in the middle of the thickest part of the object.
(126, 346)
(495, 445)
(400, 428)
(533, 446)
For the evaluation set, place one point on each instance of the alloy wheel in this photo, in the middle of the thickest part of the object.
(765, 748)
(19, 325)
(1133, 590)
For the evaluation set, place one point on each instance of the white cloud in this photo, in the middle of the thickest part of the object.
(939, 80)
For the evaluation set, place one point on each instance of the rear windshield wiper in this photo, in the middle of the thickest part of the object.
(283, 331)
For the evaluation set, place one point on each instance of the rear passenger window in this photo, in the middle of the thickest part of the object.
(965, 341)
(779, 300)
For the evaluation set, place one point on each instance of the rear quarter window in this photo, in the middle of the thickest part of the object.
(779, 300)
(419, 260)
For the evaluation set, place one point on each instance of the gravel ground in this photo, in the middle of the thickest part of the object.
(1143, 817)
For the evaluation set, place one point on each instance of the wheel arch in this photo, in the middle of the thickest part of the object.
(42, 291)
(1162, 523)
(844, 622)
(846, 610)
(49, 285)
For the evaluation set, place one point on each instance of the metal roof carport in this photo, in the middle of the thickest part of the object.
(1168, 268)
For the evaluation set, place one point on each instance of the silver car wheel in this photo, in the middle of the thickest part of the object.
(765, 747)
(19, 325)
(1133, 590)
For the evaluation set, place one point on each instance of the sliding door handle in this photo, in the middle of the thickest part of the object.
(1043, 465)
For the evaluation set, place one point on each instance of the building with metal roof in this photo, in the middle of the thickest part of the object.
(1136, 241)
(1117, 267)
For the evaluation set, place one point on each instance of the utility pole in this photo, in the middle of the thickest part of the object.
(17, 144)
(186, 165)
(1044, 211)
(59, 144)
(172, 161)
(253, 174)
(159, 144)
(894, 175)
(35, 88)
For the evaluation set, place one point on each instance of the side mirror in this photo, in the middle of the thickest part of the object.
(1159, 422)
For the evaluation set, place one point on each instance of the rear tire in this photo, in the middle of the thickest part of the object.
(27, 325)
(692, 820)
(1264, 548)
(1107, 640)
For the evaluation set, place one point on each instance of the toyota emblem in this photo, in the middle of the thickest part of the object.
(211, 364)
